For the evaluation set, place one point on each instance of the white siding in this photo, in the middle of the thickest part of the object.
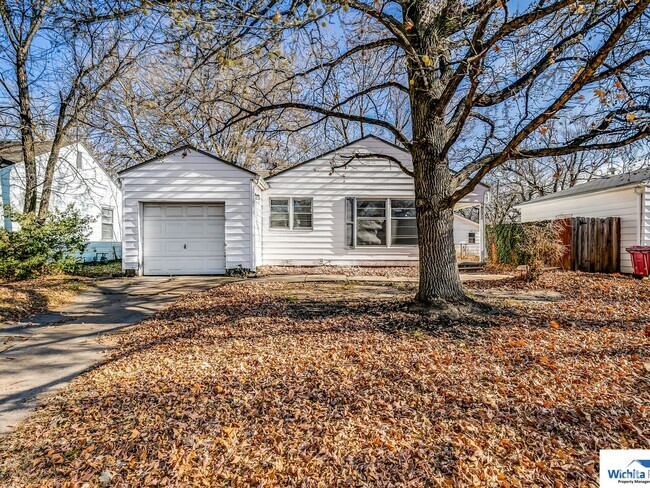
(189, 176)
(325, 242)
(621, 202)
(88, 188)
(462, 228)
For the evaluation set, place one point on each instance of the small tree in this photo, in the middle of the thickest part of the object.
(540, 245)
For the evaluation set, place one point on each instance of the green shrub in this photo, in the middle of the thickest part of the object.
(42, 246)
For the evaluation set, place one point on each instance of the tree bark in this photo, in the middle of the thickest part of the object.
(48, 178)
(27, 134)
(439, 280)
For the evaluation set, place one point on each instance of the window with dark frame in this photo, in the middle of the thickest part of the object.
(107, 223)
(380, 222)
(471, 237)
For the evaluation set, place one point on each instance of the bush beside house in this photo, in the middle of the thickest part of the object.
(42, 246)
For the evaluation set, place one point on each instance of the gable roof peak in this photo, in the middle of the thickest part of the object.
(184, 147)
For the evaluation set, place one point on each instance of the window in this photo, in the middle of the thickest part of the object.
(291, 213)
(404, 228)
(349, 221)
(280, 213)
(380, 222)
(107, 224)
(80, 160)
(471, 237)
(302, 213)
(371, 223)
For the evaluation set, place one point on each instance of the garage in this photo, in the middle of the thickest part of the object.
(184, 239)
(187, 212)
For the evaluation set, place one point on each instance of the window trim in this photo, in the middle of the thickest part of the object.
(290, 201)
(388, 217)
(111, 223)
(471, 235)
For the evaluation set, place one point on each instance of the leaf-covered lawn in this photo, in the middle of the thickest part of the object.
(343, 385)
(20, 299)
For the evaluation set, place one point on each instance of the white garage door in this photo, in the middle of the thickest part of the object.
(184, 238)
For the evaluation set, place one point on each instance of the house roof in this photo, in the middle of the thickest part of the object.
(465, 219)
(184, 148)
(600, 184)
(11, 152)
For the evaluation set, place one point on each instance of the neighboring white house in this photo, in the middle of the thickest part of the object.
(467, 237)
(188, 212)
(626, 196)
(78, 180)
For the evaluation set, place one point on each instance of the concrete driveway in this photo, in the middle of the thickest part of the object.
(41, 354)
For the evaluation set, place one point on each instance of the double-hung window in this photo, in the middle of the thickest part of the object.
(380, 222)
(291, 213)
(107, 223)
(403, 228)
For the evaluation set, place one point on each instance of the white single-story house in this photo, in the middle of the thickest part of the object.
(626, 196)
(466, 237)
(79, 180)
(188, 212)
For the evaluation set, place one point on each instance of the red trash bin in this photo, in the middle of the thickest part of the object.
(640, 256)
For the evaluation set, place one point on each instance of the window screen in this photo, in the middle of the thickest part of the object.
(279, 213)
(371, 223)
(404, 228)
(302, 213)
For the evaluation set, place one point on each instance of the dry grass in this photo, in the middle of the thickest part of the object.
(29, 297)
(21, 299)
(402, 271)
(345, 385)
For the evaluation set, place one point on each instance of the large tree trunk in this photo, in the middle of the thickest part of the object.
(439, 277)
(27, 134)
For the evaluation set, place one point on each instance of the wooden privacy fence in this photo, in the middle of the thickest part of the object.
(593, 244)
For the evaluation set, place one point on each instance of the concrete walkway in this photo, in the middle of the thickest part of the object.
(41, 354)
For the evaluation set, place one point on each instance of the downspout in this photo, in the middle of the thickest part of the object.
(640, 192)
(481, 223)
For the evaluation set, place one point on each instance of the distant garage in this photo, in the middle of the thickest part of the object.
(189, 213)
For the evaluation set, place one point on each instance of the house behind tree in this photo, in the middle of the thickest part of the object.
(80, 181)
(188, 212)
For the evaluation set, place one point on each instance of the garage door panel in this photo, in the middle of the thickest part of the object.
(215, 211)
(173, 211)
(184, 239)
(152, 211)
